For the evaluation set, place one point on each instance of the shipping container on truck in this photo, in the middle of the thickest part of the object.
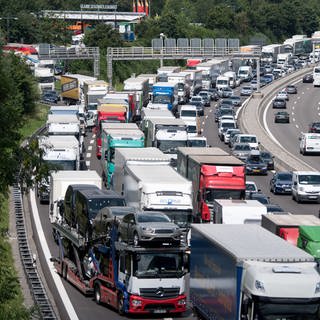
(309, 240)
(214, 177)
(159, 188)
(144, 156)
(246, 272)
(111, 138)
(237, 211)
(131, 280)
(286, 226)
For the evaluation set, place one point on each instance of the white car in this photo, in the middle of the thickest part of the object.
(282, 95)
(251, 187)
(251, 139)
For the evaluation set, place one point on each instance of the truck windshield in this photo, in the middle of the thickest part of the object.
(46, 80)
(188, 113)
(170, 146)
(196, 143)
(166, 99)
(309, 179)
(63, 165)
(182, 218)
(292, 311)
(158, 265)
(212, 194)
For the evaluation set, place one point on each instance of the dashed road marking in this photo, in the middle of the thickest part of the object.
(94, 136)
(297, 126)
(308, 88)
(302, 92)
(88, 155)
(295, 102)
(91, 141)
(293, 108)
(202, 123)
(293, 119)
(88, 164)
(298, 98)
(89, 148)
(292, 113)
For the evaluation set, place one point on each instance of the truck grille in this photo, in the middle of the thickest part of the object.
(159, 293)
(153, 307)
(163, 231)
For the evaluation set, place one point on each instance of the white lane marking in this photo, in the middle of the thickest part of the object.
(266, 126)
(242, 105)
(88, 155)
(46, 251)
(297, 126)
(210, 110)
(89, 148)
(88, 164)
(202, 123)
(295, 102)
(302, 92)
(94, 136)
(91, 141)
(293, 119)
(319, 102)
(293, 108)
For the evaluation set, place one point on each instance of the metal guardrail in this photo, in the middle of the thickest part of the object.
(39, 294)
(136, 53)
(64, 53)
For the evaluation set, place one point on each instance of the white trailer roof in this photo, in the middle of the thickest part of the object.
(59, 141)
(167, 121)
(163, 177)
(202, 151)
(156, 113)
(62, 118)
(135, 134)
(72, 175)
(118, 126)
(240, 203)
(294, 219)
(142, 154)
(251, 242)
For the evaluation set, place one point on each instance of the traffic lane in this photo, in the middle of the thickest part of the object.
(302, 110)
(263, 182)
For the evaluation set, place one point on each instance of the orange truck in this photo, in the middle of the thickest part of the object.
(107, 112)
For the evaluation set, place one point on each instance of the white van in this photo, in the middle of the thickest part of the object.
(245, 73)
(309, 143)
(232, 78)
(188, 112)
(306, 186)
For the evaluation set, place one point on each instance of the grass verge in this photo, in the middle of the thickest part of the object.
(11, 299)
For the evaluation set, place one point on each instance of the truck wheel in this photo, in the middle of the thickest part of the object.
(120, 304)
(64, 271)
(135, 239)
(97, 293)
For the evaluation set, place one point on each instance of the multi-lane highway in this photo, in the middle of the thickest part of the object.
(303, 108)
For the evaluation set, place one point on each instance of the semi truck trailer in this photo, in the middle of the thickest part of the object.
(246, 272)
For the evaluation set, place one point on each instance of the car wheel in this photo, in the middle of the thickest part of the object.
(120, 304)
(97, 293)
(135, 239)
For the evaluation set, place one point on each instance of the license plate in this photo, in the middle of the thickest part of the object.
(160, 311)
(287, 190)
(255, 170)
(312, 197)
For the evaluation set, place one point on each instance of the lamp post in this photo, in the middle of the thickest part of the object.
(162, 36)
(8, 25)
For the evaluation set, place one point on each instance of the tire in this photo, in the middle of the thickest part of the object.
(97, 293)
(135, 239)
(64, 271)
(120, 304)
(298, 199)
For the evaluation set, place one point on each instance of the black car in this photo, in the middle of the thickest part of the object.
(291, 88)
(262, 198)
(267, 157)
(281, 182)
(273, 208)
(255, 164)
(282, 116)
(49, 97)
(279, 104)
(236, 100)
(214, 94)
(308, 78)
(314, 127)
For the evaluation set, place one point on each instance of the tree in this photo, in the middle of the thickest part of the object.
(221, 17)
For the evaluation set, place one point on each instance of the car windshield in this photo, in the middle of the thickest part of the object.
(285, 177)
(250, 187)
(188, 113)
(309, 179)
(246, 88)
(152, 218)
(262, 199)
(196, 99)
(248, 139)
(228, 125)
(265, 155)
(242, 147)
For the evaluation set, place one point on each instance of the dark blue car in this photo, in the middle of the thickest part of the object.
(281, 183)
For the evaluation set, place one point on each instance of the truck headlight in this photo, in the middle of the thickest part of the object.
(136, 303)
(259, 286)
(182, 302)
(317, 290)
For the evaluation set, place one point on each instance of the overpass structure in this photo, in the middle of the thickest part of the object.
(102, 16)
(176, 53)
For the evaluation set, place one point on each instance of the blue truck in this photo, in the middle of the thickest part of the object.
(246, 272)
(165, 93)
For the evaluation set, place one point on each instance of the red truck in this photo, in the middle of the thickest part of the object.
(287, 225)
(108, 113)
(213, 177)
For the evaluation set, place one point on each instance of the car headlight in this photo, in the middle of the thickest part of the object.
(264, 168)
(301, 189)
(148, 229)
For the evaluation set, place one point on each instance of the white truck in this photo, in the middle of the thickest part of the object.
(158, 188)
(45, 77)
(62, 151)
(152, 80)
(283, 59)
(246, 272)
(147, 114)
(59, 182)
(65, 124)
(167, 135)
(237, 211)
(245, 73)
(232, 78)
(140, 87)
(137, 156)
(162, 72)
(183, 80)
(222, 82)
(309, 143)
(196, 81)
(316, 76)
(197, 141)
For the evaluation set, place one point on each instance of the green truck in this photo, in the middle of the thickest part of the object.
(309, 240)
(117, 135)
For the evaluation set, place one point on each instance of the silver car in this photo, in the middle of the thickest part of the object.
(241, 150)
(144, 226)
(106, 217)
